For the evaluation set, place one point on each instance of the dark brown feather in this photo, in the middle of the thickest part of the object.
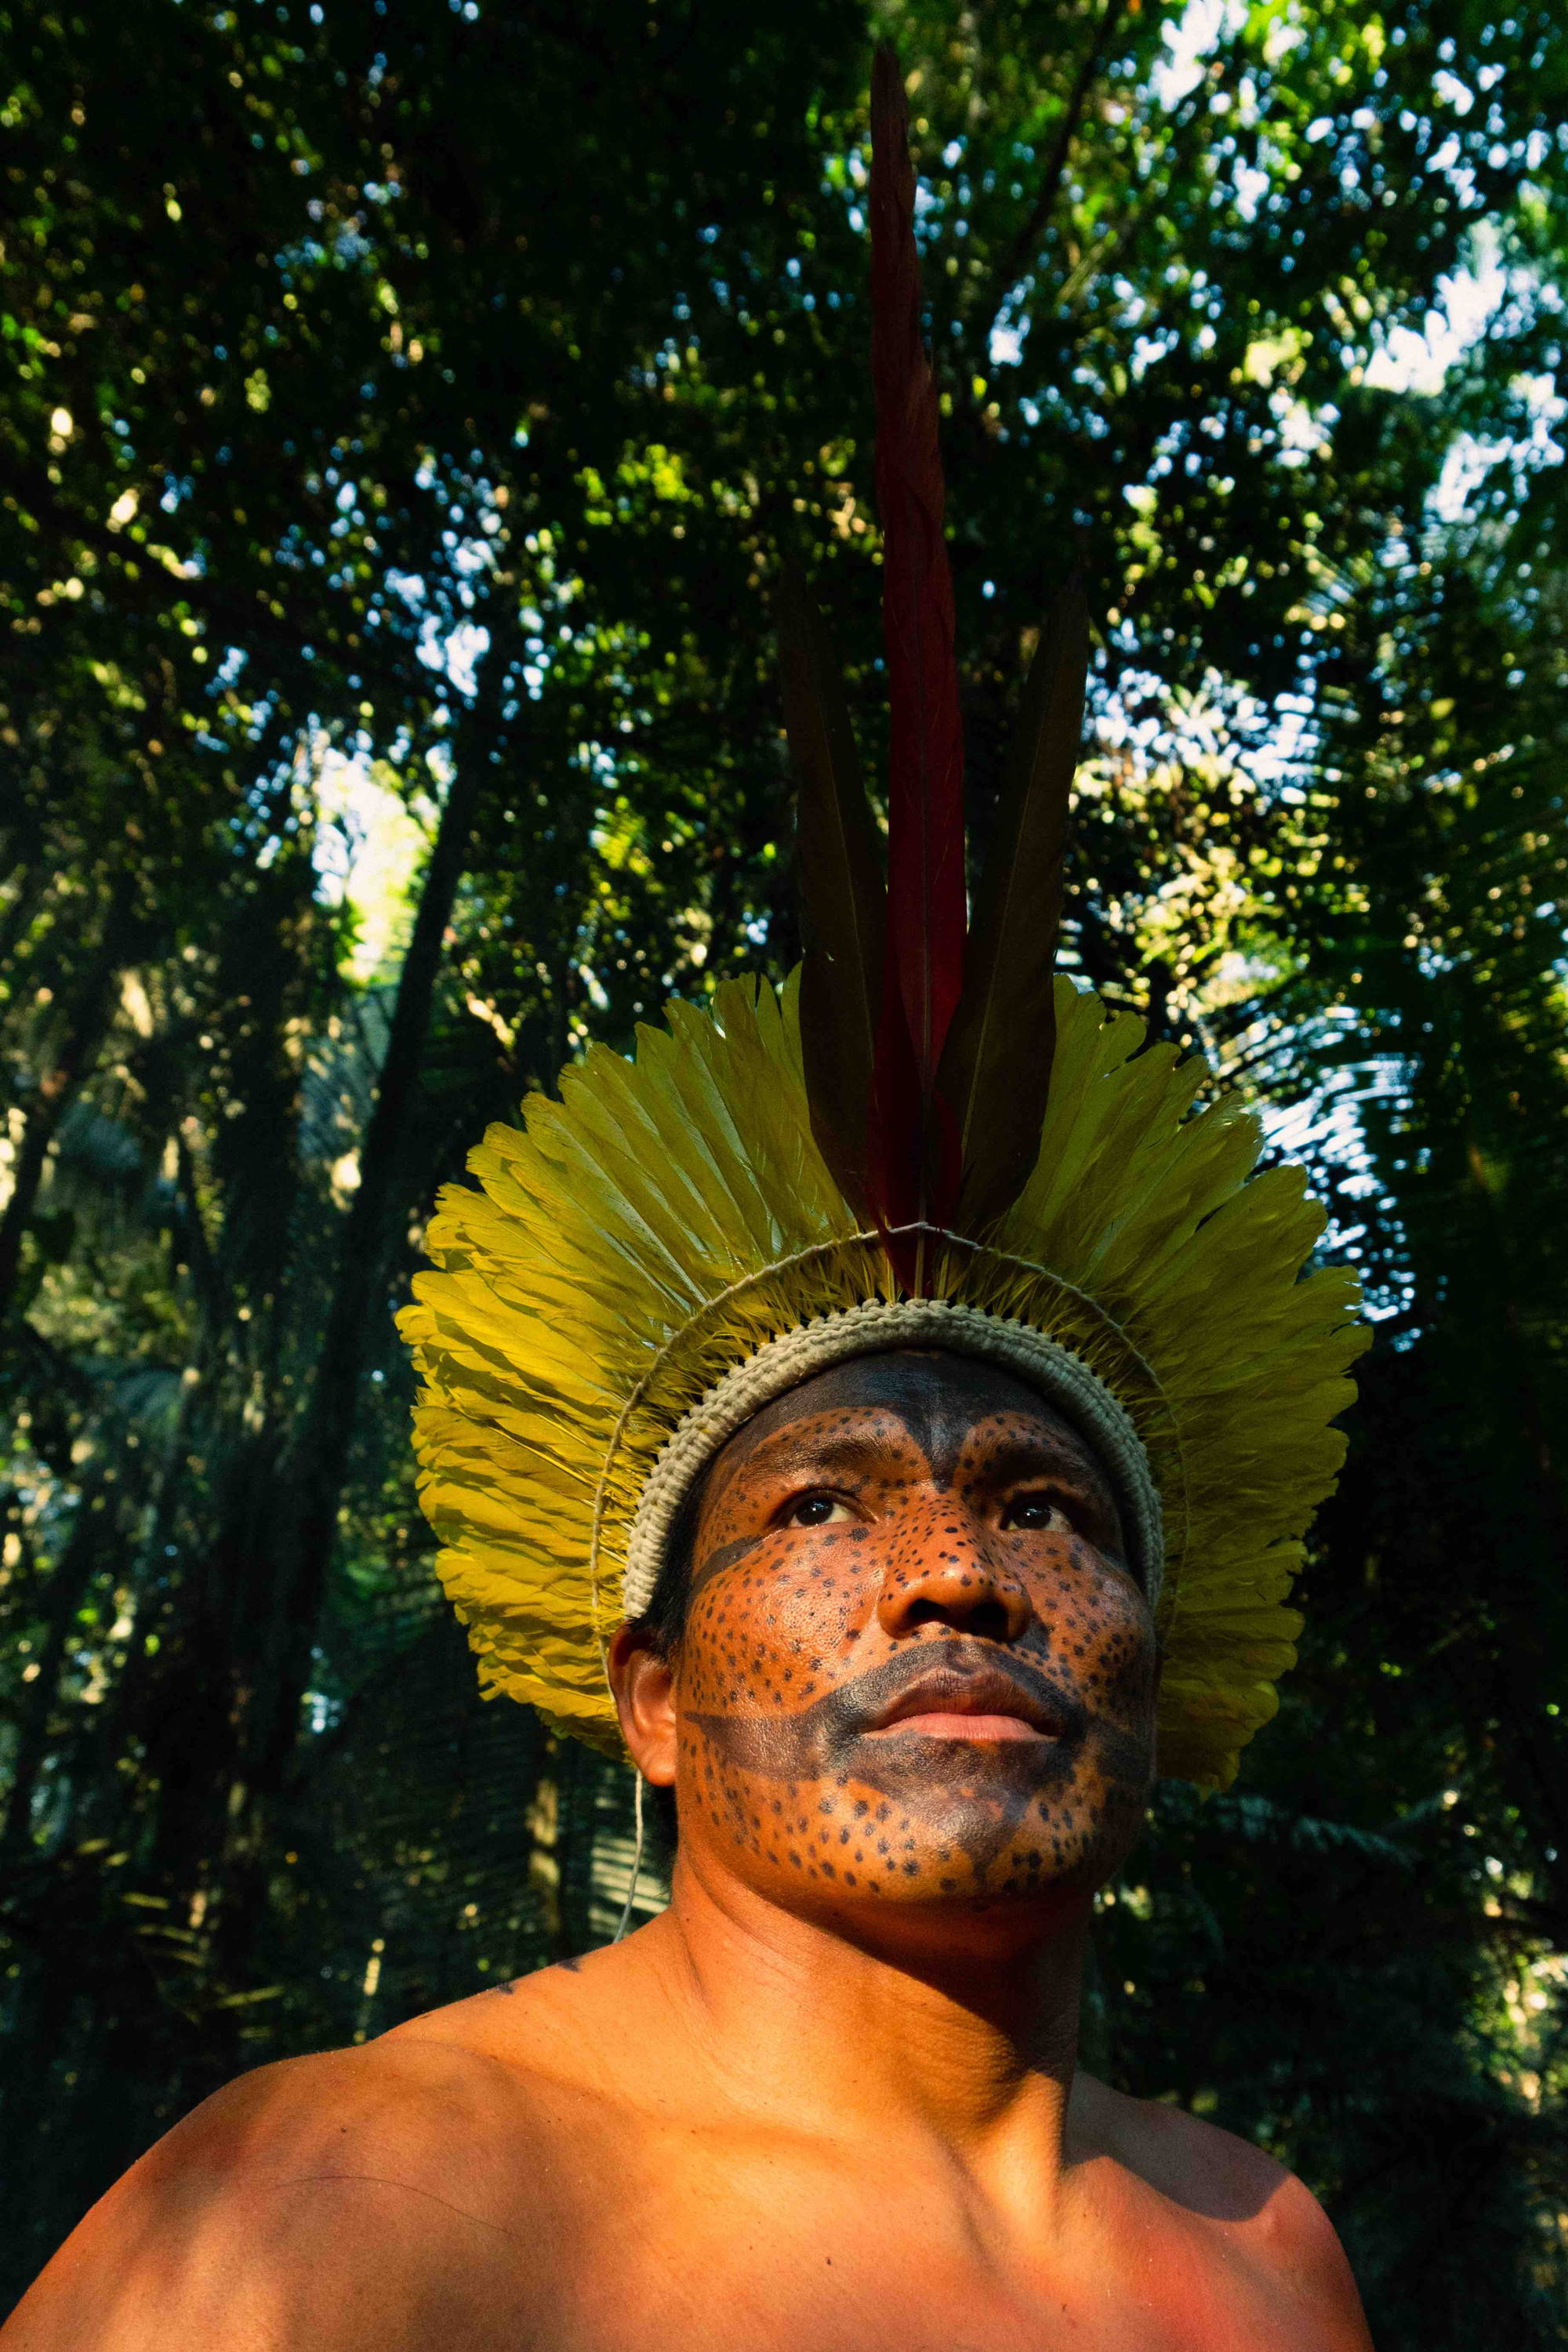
(996, 1068)
(843, 897)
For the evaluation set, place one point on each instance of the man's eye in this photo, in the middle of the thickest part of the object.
(814, 1511)
(1037, 1513)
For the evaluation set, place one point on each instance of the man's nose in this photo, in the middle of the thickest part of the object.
(943, 1569)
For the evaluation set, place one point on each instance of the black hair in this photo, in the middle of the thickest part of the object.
(664, 1619)
(663, 1625)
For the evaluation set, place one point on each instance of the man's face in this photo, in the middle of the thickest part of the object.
(916, 1668)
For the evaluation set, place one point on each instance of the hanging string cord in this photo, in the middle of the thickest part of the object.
(636, 1864)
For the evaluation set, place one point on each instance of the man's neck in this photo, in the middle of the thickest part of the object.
(961, 2033)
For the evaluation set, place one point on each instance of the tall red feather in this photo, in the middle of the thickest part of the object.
(913, 1151)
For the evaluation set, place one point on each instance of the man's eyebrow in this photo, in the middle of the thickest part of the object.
(1019, 1450)
(796, 1443)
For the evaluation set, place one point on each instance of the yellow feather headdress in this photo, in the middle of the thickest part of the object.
(926, 1139)
(671, 1215)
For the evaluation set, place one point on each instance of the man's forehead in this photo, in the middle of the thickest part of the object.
(937, 1396)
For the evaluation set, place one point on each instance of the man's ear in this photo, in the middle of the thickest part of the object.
(644, 1686)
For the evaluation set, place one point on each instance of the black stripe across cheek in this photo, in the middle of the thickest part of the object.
(724, 1556)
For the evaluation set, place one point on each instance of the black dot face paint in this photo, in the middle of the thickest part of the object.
(915, 1668)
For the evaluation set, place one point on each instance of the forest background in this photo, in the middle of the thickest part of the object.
(406, 406)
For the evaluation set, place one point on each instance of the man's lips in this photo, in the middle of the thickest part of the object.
(981, 1704)
(946, 1724)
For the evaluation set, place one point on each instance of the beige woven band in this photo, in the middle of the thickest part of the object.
(1064, 1379)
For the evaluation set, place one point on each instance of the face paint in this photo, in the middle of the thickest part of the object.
(942, 1689)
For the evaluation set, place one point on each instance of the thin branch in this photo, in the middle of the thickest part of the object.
(1018, 255)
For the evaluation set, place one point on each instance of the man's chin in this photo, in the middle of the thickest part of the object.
(941, 1823)
(953, 1902)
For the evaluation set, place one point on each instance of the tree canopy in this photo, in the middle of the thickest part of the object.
(407, 412)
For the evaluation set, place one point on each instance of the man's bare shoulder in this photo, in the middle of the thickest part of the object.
(1267, 2214)
(360, 2196)
(555, 2029)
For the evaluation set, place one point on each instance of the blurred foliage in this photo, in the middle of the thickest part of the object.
(404, 413)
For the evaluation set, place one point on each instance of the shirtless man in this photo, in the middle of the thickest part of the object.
(903, 1687)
